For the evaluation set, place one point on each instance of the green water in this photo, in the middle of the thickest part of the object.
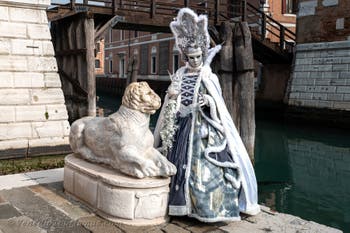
(302, 170)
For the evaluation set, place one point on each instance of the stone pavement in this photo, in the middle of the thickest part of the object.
(42, 206)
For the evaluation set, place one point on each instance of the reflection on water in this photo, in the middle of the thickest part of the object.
(301, 170)
(304, 171)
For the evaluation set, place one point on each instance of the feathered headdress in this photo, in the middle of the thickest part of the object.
(191, 32)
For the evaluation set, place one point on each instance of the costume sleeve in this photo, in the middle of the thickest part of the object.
(159, 123)
(216, 82)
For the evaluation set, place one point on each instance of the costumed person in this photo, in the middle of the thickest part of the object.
(215, 179)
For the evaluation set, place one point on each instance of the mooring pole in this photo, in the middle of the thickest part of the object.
(225, 68)
(244, 97)
(90, 63)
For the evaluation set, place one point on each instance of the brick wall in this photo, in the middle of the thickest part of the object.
(323, 21)
(33, 117)
(321, 76)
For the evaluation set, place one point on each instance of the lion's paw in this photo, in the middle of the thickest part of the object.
(166, 168)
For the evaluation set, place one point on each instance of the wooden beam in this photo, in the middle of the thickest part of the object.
(75, 83)
(89, 32)
(110, 23)
(60, 14)
(70, 52)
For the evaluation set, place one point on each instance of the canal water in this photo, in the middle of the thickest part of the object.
(302, 170)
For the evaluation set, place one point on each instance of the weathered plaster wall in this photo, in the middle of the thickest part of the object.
(33, 117)
(323, 21)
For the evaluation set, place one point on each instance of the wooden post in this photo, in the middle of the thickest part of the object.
(132, 70)
(243, 104)
(90, 63)
(282, 35)
(263, 27)
(113, 7)
(244, 10)
(72, 4)
(153, 8)
(186, 3)
(216, 15)
(225, 68)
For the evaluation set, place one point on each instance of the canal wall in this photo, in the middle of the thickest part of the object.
(321, 77)
(33, 117)
(273, 84)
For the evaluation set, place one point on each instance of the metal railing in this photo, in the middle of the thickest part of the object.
(270, 28)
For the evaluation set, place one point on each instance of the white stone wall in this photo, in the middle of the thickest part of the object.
(321, 77)
(32, 110)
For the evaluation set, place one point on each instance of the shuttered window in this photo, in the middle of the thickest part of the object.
(289, 6)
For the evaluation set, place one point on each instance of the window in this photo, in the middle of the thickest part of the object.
(97, 63)
(98, 47)
(175, 62)
(154, 60)
(176, 58)
(122, 67)
(289, 6)
(110, 66)
(122, 35)
(110, 35)
(153, 64)
(136, 34)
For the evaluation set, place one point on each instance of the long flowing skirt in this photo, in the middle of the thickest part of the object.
(203, 192)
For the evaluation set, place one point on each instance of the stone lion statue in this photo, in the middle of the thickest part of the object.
(123, 139)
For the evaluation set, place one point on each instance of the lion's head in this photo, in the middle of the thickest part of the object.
(139, 96)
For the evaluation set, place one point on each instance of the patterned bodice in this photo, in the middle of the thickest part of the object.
(187, 88)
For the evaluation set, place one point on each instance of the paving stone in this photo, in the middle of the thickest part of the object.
(184, 221)
(8, 211)
(265, 222)
(217, 231)
(140, 229)
(46, 208)
(171, 228)
(202, 228)
(59, 200)
(42, 213)
(19, 225)
(98, 225)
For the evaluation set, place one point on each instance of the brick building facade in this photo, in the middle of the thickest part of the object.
(321, 77)
(156, 53)
(99, 58)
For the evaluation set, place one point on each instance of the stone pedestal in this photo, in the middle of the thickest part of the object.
(114, 196)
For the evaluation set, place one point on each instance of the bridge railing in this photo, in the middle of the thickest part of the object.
(72, 4)
(217, 11)
(267, 27)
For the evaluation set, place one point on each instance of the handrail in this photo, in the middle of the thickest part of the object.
(217, 11)
(270, 18)
(280, 31)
